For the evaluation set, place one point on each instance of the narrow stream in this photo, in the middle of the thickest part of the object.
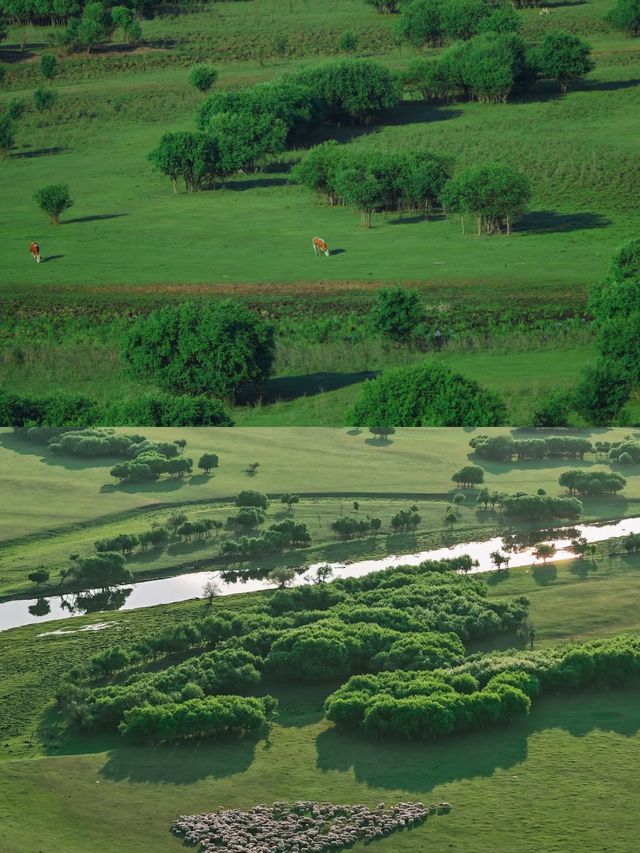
(182, 587)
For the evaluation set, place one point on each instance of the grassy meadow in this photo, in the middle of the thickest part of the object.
(129, 243)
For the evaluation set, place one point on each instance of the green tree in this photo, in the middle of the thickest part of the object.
(39, 576)
(626, 16)
(14, 108)
(317, 168)
(44, 99)
(420, 179)
(601, 393)
(289, 500)
(468, 476)
(245, 141)
(282, 576)
(452, 516)
(208, 461)
(249, 497)
(564, 57)
(552, 410)
(220, 349)
(202, 77)
(92, 29)
(618, 294)
(461, 19)
(124, 19)
(421, 24)
(497, 194)
(365, 181)
(49, 67)
(544, 551)
(396, 312)
(195, 157)
(53, 200)
(426, 394)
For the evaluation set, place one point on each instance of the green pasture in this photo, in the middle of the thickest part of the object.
(556, 776)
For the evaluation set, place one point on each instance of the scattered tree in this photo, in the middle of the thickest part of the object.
(53, 200)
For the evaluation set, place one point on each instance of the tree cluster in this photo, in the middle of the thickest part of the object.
(504, 448)
(539, 507)
(347, 527)
(586, 483)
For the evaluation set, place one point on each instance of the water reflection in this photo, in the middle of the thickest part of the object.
(517, 544)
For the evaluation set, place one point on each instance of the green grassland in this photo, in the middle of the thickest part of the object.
(129, 243)
(558, 775)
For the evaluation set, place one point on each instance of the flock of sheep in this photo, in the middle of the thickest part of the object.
(302, 827)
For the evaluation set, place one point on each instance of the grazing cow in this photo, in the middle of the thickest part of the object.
(320, 247)
(35, 251)
(544, 11)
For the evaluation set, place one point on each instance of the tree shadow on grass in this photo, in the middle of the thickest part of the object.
(178, 549)
(379, 442)
(96, 217)
(415, 219)
(607, 85)
(308, 385)
(419, 112)
(544, 574)
(548, 221)
(582, 568)
(40, 152)
(421, 766)
(157, 487)
(182, 764)
(255, 183)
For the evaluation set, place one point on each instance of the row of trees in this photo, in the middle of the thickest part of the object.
(489, 68)
(371, 180)
(505, 448)
(346, 527)
(277, 537)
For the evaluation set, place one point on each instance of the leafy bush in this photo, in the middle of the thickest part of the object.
(426, 394)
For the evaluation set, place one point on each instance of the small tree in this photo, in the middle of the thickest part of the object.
(53, 200)
(289, 500)
(49, 67)
(210, 589)
(202, 77)
(282, 576)
(544, 551)
(124, 19)
(323, 574)
(470, 475)
(452, 516)
(420, 23)
(44, 99)
(626, 16)
(396, 312)
(39, 576)
(208, 461)
(496, 194)
(498, 559)
(563, 57)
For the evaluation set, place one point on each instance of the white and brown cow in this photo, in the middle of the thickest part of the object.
(34, 248)
(320, 247)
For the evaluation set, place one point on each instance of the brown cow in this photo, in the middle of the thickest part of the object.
(320, 247)
(34, 248)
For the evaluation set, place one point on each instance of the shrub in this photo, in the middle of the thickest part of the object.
(53, 200)
(396, 312)
(426, 394)
(626, 16)
(497, 194)
(44, 99)
(221, 349)
(202, 77)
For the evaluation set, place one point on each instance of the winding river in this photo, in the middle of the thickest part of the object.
(190, 585)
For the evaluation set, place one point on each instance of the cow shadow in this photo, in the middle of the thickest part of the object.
(337, 251)
(96, 217)
(50, 258)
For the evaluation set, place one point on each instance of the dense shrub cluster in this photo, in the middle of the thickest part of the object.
(277, 537)
(64, 409)
(371, 180)
(228, 670)
(624, 452)
(487, 689)
(592, 482)
(504, 448)
(212, 717)
(426, 705)
(346, 527)
(540, 507)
